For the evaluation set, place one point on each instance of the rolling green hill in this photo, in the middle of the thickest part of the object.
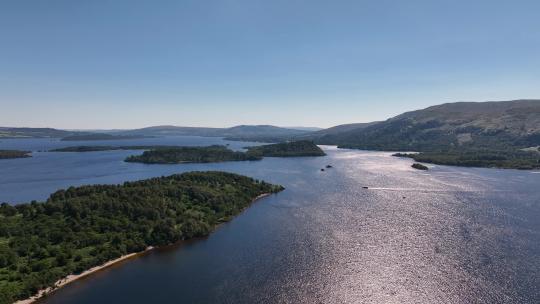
(453, 125)
(469, 131)
(242, 132)
(259, 133)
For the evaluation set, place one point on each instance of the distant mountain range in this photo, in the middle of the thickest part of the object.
(242, 132)
(6, 132)
(461, 125)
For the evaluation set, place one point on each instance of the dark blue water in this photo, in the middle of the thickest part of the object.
(449, 235)
(25, 179)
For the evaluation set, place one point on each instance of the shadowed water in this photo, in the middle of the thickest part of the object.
(448, 235)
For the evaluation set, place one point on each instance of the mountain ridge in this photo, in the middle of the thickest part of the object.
(490, 124)
(240, 132)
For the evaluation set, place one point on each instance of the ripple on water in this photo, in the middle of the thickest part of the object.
(450, 235)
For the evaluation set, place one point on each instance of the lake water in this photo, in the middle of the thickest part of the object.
(448, 235)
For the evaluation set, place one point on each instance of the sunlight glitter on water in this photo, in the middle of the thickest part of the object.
(451, 235)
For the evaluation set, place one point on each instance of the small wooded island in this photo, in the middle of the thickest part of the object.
(82, 227)
(175, 155)
(419, 166)
(7, 154)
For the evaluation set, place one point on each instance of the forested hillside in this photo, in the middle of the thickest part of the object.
(486, 134)
(492, 125)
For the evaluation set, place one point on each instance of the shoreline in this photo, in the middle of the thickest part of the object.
(74, 277)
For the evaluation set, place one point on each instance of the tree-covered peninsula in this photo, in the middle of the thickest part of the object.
(288, 149)
(7, 154)
(82, 227)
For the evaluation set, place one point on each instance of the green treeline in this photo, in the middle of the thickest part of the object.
(6, 154)
(82, 227)
(288, 149)
(175, 155)
(506, 159)
(419, 166)
(191, 155)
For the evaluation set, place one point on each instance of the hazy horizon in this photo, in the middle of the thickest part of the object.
(239, 124)
(125, 65)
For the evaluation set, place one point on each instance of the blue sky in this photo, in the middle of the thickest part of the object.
(127, 64)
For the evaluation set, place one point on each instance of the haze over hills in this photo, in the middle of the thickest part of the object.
(453, 125)
(311, 129)
(7, 132)
(463, 125)
(171, 131)
(244, 132)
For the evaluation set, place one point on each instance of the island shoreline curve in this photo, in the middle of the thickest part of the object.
(74, 277)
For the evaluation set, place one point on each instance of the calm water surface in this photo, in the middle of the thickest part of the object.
(449, 235)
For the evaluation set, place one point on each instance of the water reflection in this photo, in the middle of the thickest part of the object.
(449, 235)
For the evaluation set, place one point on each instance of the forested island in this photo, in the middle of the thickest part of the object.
(288, 149)
(419, 166)
(216, 153)
(100, 136)
(7, 154)
(177, 155)
(82, 227)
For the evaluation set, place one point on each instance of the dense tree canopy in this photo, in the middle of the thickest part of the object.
(82, 227)
(419, 166)
(508, 159)
(175, 155)
(288, 149)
